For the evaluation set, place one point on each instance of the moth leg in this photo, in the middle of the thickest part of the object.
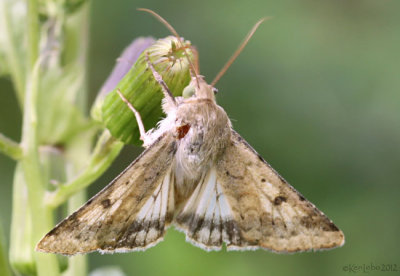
(143, 135)
(167, 93)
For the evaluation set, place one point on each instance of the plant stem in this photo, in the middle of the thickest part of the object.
(21, 253)
(10, 148)
(106, 150)
(41, 215)
(33, 33)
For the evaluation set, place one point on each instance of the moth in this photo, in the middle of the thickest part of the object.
(201, 176)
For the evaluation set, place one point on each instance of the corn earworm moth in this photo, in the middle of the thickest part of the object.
(201, 176)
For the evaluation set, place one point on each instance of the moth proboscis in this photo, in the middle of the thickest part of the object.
(199, 175)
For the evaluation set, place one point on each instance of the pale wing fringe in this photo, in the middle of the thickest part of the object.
(129, 214)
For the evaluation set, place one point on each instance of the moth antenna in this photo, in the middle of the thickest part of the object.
(167, 93)
(238, 51)
(175, 33)
(196, 60)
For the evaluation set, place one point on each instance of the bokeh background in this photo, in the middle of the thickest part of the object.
(316, 92)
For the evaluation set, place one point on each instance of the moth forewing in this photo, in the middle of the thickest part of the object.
(269, 213)
(129, 214)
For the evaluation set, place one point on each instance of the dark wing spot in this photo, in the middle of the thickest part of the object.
(307, 222)
(73, 216)
(233, 176)
(135, 226)
(279, 199)
(233, 232)
(52, 232)
(169, 217)
(172, 147)
(182, 130)
(196, 224)
(182, 219)
(263, 180)
(89, 201)
(331, 227)
(106, 203)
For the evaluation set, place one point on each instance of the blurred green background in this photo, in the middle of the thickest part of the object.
(316, 92)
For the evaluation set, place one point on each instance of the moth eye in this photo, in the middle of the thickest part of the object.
(188, 91)
(215, 90)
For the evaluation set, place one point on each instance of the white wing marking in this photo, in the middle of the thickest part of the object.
(207, 217)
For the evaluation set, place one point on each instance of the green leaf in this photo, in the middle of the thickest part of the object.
(10, 148)
(13, 14)
(59, 116)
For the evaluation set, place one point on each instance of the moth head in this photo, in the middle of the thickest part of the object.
(199, 88)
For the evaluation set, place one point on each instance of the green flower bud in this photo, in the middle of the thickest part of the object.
(144, 92)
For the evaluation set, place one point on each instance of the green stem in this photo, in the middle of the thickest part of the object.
(41, 215)
(33, 33)
(21, 253)
(12, 57)
(10, 148)
(105, 152)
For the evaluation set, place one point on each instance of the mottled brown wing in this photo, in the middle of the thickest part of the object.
(128, 214)
(267, 211)
(243, 202)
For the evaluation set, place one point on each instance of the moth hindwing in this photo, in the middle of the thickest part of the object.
(198, 174)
